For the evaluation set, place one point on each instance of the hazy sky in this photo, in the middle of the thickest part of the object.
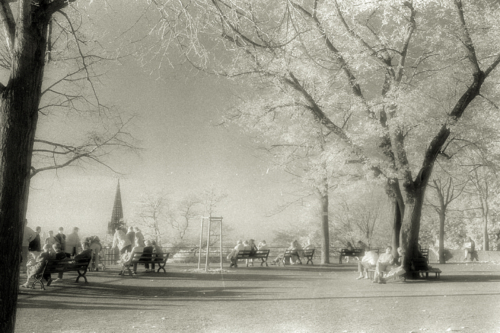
(184, 153)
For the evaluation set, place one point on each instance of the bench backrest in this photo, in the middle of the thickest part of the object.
(64, 264)
(149, 256)
(244, 254)
(309, 252)
(425, 253)
(261, 254)
(355, 251)
(419, 264)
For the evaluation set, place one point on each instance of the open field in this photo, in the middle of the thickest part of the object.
(274, 299)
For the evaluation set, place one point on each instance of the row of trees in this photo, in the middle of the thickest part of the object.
(177, 222)
(340, 89)
(377, 89)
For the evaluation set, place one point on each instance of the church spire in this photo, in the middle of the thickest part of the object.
(117, 214)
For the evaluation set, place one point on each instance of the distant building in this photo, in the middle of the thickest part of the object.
(117, 214)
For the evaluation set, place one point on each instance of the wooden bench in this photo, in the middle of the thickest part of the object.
(355, 252)
(60, 266)
(143, 258)
(309, 254)
(421, 267)
(259, 254)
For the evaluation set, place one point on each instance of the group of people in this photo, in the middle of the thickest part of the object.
(247, 245)
(130, 241)
(295, 248)
(36, 261)
(385, 263)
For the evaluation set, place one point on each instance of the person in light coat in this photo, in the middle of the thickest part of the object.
(121, 241)
(233, 255)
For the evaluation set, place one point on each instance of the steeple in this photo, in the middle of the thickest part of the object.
(117, 214)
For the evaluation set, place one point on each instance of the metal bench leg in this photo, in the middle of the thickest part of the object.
(160, 266)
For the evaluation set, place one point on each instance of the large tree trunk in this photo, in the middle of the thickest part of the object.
(442, 218)
(325, 232)
(414, 199)
(397, 212)
(19, 114)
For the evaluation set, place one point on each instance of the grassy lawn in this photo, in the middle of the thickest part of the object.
(259, 299)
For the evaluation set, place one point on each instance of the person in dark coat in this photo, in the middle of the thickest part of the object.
(36, 245)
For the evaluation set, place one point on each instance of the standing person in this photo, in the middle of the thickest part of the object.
(139, 237)
(28, 236)
(121, 241)
(470, 247)
(131, 238)
(157, 252)
(51, 240)
(36, 245)
(73, 242)
(61, 239)
(96, 247)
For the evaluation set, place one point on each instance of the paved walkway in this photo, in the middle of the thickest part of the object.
(274, 299)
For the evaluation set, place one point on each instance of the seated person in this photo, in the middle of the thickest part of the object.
(368, 261)
(263, 245)
(246, 246)
(136, 249)
(297, 252)
(147, 254)
(253, 249)
(233, 255)
(36, 264)
(397, 270)
(85, 255)
(157, 252)
(308, 245)
(349, 250)
(55, 254)
(384, 263)
(125, 262)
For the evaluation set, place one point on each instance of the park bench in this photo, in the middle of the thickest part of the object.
(425, 254)
(355, 252)
(418, 266)
(309, 254)
(60, 266)
(143, 258)
(259, 254)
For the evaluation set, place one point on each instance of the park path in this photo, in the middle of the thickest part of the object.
(260, 299)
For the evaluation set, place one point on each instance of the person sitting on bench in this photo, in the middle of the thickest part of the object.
(349, 251)
(36, 266)
(384, 263)
(397, 270)
(233, 255)
(368, 261)
(147, 254)
(297, 252)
